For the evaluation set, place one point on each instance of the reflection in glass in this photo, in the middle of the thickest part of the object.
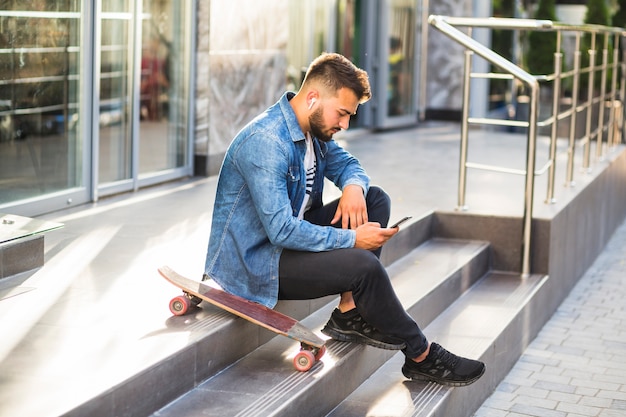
(40, 149)
(348, 38)
(114, 106)
(348, 42)
(162, 87)
(401, 60)
(162, 100)
(44, 99)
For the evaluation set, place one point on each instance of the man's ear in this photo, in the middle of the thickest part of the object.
(312, 95)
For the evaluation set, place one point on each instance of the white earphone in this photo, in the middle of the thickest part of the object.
(312, 103)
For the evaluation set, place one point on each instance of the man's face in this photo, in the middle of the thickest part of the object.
(333, 114)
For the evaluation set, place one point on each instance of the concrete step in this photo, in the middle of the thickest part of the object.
(488, 322)
(264, 382)
(214, 340)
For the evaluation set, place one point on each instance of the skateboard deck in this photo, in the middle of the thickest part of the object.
(312, 346)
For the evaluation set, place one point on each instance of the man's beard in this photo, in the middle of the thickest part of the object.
(316, 125)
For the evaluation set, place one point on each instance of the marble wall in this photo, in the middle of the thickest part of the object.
(444, 85)
(240, 72)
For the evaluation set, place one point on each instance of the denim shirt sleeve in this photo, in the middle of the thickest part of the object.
(264, 162)
(344, 169)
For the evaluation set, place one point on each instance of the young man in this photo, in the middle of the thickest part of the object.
(273, 238)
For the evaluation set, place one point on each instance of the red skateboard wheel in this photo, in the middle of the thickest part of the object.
(180, 305)
(304, 360)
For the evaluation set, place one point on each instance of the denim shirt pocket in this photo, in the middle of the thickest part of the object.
(293, 174)
(293, 184)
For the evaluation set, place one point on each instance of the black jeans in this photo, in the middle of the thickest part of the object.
(307, 275)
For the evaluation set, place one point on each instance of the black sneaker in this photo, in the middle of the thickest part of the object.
(350, 327)
(444, 368)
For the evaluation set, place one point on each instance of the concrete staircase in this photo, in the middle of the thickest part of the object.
(454, 272)
(90, 333)
(448, 285)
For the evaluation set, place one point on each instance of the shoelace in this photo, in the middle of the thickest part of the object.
(448, 359)
(365, 326)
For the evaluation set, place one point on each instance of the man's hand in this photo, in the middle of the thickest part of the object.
(351, 209)
(371, 236)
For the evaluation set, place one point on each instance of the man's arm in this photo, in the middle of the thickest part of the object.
(346, 172)
(351, 209)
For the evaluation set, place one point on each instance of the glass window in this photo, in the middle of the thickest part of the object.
(115, 144)
(137, 91)
(400, 86)
(162, 92)
(40, 55)
(163, 86)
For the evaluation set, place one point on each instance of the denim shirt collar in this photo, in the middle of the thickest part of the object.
(295, 131)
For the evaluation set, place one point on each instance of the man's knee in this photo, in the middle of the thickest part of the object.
(378, 205)
(369, 274)
(365, 263)
(378, 194)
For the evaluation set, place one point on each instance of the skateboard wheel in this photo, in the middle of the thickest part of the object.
(180, 305)
(304, 360)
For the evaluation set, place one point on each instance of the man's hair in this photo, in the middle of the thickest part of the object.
(335, 71)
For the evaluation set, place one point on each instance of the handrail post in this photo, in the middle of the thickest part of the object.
(467, 69)
(556, 96)
(613, 95)
(531, 152)
(589, 104)
(622, 88)
(605, 64)
(569, 181)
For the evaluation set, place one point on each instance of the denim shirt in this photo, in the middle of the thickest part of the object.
(261, 187)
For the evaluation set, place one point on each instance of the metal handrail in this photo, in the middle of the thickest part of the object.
(449, 27)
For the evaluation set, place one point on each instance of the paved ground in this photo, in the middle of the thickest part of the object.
(577, 364)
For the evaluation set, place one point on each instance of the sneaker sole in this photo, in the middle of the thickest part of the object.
(414, 376)
(355, 337)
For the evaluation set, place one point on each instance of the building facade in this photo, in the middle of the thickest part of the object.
(103, 97)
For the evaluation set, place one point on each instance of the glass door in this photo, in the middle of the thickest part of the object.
(349, 42)
(397, 80)
(144, 93)
(114, 98)
(163, 87)
(95, 98)
(42, 53)
(381, 37)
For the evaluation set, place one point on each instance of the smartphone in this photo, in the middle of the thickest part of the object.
(399, 222)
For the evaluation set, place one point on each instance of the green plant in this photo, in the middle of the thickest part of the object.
(597, 14)
(501, 43)
(542, 45)
(619, 18)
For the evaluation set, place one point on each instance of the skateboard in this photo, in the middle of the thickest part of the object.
(311, 346)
